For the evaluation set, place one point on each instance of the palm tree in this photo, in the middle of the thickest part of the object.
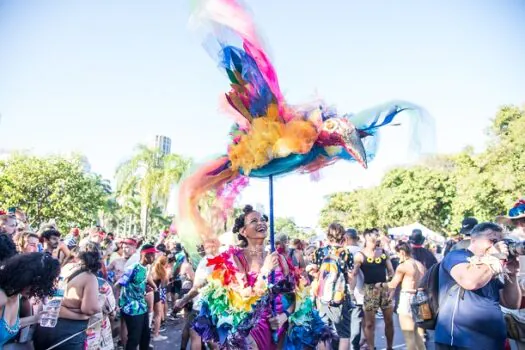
(152, 175)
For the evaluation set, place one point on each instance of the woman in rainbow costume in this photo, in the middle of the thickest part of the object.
(257, 301)
(252, 300)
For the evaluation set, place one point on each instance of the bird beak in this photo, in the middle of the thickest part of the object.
(354, 146)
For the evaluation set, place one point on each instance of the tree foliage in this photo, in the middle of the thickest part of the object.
(52, 188)
(150, 175)
(288, 227)
(442, 190)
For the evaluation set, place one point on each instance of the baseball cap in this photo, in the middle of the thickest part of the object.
(148, 248)
(467, 225)
(352, 233)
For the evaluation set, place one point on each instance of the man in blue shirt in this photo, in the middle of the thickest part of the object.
(471, 289)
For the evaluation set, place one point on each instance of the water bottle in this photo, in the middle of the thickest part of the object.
(423, 311)
(52, 307)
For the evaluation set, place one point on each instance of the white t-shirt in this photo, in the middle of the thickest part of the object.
(201, 274)
(358, 291)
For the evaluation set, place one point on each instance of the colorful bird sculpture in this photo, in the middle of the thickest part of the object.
(269, 137)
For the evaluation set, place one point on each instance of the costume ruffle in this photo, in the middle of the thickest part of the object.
(234, 306)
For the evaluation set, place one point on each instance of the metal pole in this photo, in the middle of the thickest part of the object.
(272, 227)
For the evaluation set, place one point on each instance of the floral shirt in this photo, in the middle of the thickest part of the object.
(132, 300)
(346, 258)
(99, 335)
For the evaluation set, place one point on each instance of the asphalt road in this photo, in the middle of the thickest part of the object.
(174, 331)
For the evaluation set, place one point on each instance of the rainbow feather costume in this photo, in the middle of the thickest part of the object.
(271, 137)
(236, 305)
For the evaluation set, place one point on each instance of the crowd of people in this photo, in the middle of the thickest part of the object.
(119, 292)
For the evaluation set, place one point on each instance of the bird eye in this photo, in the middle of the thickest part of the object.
(329, 125)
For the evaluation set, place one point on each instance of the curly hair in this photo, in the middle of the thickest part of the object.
(50, 232)
(7, 247)
(33, 272)
(239, 224)
(336, 233)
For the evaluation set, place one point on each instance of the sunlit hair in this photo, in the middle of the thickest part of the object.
(159, 268)
(336, 233)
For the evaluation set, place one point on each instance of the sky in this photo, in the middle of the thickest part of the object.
(98, 77)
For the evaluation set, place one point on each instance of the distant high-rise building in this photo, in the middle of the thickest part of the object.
(163, 143)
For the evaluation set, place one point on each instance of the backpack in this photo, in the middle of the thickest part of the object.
(331, 284)
(430, 285)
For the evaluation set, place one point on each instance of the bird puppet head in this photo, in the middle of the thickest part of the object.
(338, 136)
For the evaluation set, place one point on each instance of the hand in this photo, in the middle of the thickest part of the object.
(275, 260)
(278, 321)
(179, 303)
(39, 315)
(502, 250)
(491, 261)
(271, 262)
(378, 285)
(513, 267)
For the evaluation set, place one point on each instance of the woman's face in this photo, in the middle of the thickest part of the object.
(255, 226)
(31, 245)
(371, 238)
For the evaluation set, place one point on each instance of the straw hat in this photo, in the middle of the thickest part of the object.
(515, 213)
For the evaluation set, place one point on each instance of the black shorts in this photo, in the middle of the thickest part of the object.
(338, 317)
(176, 286)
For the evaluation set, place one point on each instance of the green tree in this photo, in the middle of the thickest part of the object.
(356, 209)
(152, 174)
(442, 190)
(287, 226)
(52, 188)
(417, 194)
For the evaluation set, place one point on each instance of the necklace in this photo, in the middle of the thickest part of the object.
(254, 252)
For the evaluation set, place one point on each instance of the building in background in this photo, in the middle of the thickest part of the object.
(163, 143)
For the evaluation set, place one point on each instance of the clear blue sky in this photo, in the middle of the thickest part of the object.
(100, 76)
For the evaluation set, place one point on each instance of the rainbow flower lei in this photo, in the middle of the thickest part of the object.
(232, 303)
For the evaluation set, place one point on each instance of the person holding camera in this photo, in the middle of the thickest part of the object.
(515, 319)
(473, 283)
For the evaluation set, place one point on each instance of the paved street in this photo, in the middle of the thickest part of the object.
(174, 330)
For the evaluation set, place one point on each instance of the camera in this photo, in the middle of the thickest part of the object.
(516, 248)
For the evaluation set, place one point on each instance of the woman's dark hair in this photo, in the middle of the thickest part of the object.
(36, 272)
(239, 224)
(90, 257)
(336, 233)
(7, 247)
(403, 247)
(369, 231)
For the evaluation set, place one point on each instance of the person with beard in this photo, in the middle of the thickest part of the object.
(420, 253)
(53, 246)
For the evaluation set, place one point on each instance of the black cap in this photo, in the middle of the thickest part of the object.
(467, 225)
(352, 233)
(417, 237)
